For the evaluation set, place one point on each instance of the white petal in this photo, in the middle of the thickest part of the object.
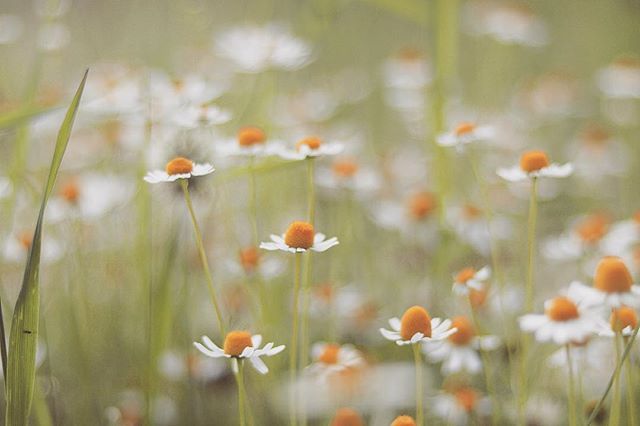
(259, 365)
(256, 340)
(395, 323)
(207, 351)
(513, 174)
(390, 335)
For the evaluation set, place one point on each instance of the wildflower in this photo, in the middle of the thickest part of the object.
(249, 142)
(469, 278)
(458, 404)
(621, 78)
(597, 154)
(300, 237)
(623, 320)
(472, 227)
(347, 417)
(612, 285)
(408, 70)
(347, 173)
(417, 326)
(179, 168)
(403, 421)
(331, 358)
(240, 345)
(311, 147)
(535, 164)
(16, 247)
(202, 115)
(465, 133)
(585, 237)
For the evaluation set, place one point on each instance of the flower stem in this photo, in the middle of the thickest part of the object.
(614, 419)
(531, 244)
(572, 392)
(253, 200)
(293, 351)
(241, 393)
(419, 387)
(311, 190)
(184, 183)
(631, 398)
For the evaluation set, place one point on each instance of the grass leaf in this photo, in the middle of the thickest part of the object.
(21, 368)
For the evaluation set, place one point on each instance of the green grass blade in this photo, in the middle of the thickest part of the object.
(21, 371)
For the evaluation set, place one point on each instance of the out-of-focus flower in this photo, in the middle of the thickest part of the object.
(250, 142)
(250, 262)
(459, 352)
(347, 173)
(417, 326)
(311, 147)
(53, 36)
(459, 403)
(469, 278)
(238, 346)
(5, 187)
(465, 133)
(612, 285)
(584, 238)
(623, 320)
(254, 49)
(11, 27)
(300, 237)
(179, 168)
(550, 96)
(16, 248)
(622, 236)
(331, 358)
(597, 154)
(112, 89)
(203, 115)
(407, 70)
(621, 78)
(535, 164)
(413, 217)
(403, 421)
(472, 228)
(347, 417)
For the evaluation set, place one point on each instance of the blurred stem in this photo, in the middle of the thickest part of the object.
(253, 200)
(614, 419)
(241, 392)
(184, 183)
(304, 351)
(531, 244)
(293, 351)
(311, 192)
(572, 392)
(3, 343)
(419, 388)
(631, 399)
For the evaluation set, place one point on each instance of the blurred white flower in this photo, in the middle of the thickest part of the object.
(311, 147)
(16, 248)
(203, 115)
(53, 36)
(613, 285)
(465, 133)
(621, 78)
(469, 278)
(330, 358)
(408, 69)
(460, 404)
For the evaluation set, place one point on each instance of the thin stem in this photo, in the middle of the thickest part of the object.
(531, 244)
(631, 398)
(253, 200)
(241, 393)
(3, 344)
(293, 351)
(572, 392)
(311, 191)
(184, 183)
(614, 419)
(419, 388)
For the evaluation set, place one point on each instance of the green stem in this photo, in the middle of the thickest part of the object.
(241, 392)
(253, 200)
(304, 331)
(531, 244)
(311, 190)
(419, 387)
(631, 399)
(184, 183)
(293, 351)
(614, 419)
(572, 392)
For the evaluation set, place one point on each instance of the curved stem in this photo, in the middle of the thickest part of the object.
(293, 351)
(184, 183)
(419, 388)
(572, 392)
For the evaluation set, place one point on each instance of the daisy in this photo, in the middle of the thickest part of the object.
(623, 320)
(469, 278)
(299, 238)
(238, 346)
(456, 406)
(347, 417)
(623, 235)
(612, 285)
(585, 237)
(459, 352)
(408, 70)
(417, 326)
(250, 262)
(347, 173)
(311, 147)
(465, 133)
(535, 164)
(414, 217)
(179, 168)
(403, 421)
(202, 115)
(621, 78)
(251, 142)
(565, 320)
(16, 247)
(332, 358)
(472, 227)
(598, 154)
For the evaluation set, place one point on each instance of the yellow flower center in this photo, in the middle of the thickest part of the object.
(236, 342)
(70, 191)
(464, 128)
(347, 417)
(249, 136)
(330, 354)
(466, 398)
(416, 319)
(465, 275)
(612, 276)
(593, 228)
(249, 258)
(562, 309)
(465, 333)
(299, 235)
(312, 142)
(179, 165)
(403, 421)
(345, 168)
(623, 317)
(532, 161)
(421, 205)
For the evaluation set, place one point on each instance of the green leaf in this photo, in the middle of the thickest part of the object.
(21, 368)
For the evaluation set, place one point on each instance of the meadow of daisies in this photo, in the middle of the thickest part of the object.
(330, 212)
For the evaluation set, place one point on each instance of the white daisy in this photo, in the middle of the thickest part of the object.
(238, 346)
(458, 405)
(250, 142)
(408, 69)
(332, 358)
(612, 285)
(535, 164)
(470, 278)
(621, 79)
(179, 168)
(311, 147)
(299, 238)
(465, 133)
(417, 326)
(203, 115)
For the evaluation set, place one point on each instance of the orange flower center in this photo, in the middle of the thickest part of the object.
(409, 54)
(593, 228)
(249, 258)
(111, 129)
(403, 421)
(179, 165)
(324, 292)
(466, 398)
(464, 128)
(330, 354)
(70, 191)
(312, 142)
(25, 239)
(562, 309)
(465, 333)
(636, 216)
(347, 417)
(421, 205)
(416, 319)
(532, 161)
(299, 235)
(236, 342)
(249, 136)
(612, 276)
(478, 297)
(471, 212)
(595, 135)
(345, 168)
(623, 317)
(465, 275)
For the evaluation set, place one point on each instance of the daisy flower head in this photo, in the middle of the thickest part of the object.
(465, 133)
(203, 115)
(469, 278)
(311, 147)
(535, 164)
(250, 141)
(460, 403)
(612, 285)
(564, 321)
(238, 346)
(417, 326)
(621, 78)
(403, 421)
(179, 168)
(300, 237)
(623, 320)
(459, 352)
(332, 358)
(347, 417)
